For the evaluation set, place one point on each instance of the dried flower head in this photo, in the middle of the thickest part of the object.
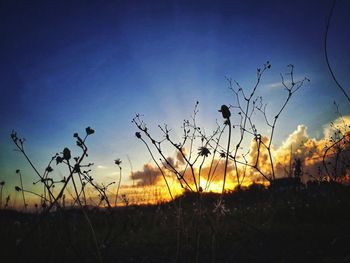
(89, 130)
(117, 162)
(226, 114)
(66, 154)
(14, 136)
(59, 159)
(203, 151)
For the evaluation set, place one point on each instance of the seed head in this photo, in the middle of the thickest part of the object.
(117, 161)
(226, 114)
(89, 130)
(203, 151)
(66, 154)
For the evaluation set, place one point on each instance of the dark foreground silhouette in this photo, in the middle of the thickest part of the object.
(280, 224)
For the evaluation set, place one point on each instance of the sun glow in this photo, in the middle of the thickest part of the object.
(298, 145)
(159, 193)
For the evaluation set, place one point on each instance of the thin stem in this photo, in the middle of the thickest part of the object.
(24, 200)
(199, 174)
(87, 218)
(227, 153)
(326, 52)
(160, 169)
(1, 196)
(116, 195)
(21, 149)
(33, 193)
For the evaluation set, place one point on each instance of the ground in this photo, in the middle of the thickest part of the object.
(253, 225)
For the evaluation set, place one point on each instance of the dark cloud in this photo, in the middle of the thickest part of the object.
(149, 175)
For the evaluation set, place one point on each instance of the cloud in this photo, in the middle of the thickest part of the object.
(311, 151)
(180, 158)
(149, 175)
(341, 123)
(114, 173)
(279, 85)
(298, 145)
(211, 175)
(259, 156)
(276, 85)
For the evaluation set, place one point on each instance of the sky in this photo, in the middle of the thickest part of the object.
(66, 65)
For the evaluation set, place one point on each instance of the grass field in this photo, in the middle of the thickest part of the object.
(255, 225)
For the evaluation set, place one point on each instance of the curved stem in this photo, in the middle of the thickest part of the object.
(326, 52)
(160, 169)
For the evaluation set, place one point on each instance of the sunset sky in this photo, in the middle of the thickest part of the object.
(66, 65)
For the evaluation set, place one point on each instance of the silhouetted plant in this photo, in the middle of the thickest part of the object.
(336, 155)
(298, 168)
(226, 114)
(325, 49)
(118, 163)
(21, 189)
(19, 143)
(7, 201)
(78, 176)
(189, 175)
(2, 183)
(125, 199)
(247, 105)
(338, 145)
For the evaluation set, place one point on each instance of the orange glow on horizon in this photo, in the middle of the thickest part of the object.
(158, 193)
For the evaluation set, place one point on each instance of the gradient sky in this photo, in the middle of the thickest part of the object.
(66, 65)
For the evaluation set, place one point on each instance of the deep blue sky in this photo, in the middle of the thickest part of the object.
(66, 65)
